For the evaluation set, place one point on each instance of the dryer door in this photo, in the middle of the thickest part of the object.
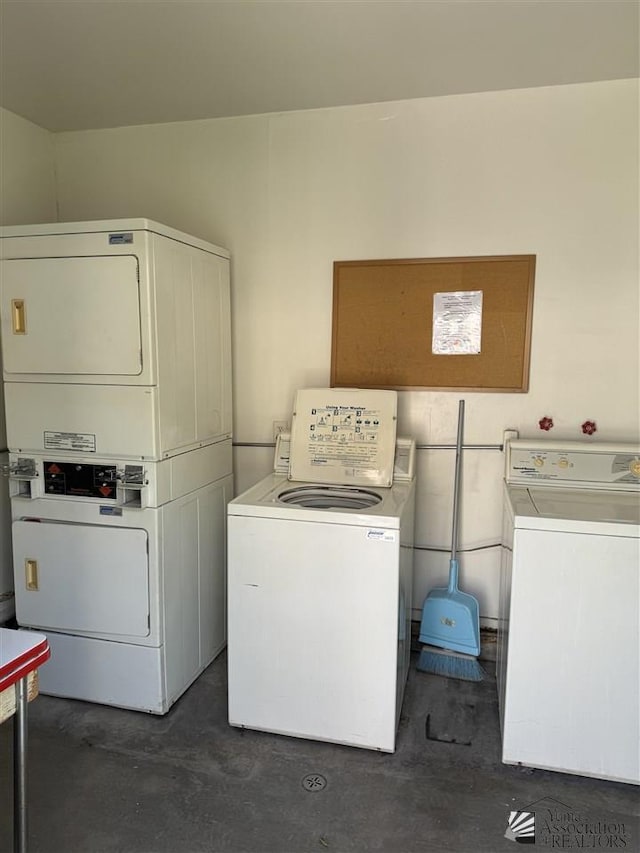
(71, 316)
(81, 578)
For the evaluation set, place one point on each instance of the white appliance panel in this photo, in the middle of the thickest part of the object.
(212, 298)
(311, 605)
(506, 567)
(93, 236)
(212, 571)
(81, 578)
(194, 556)
(95, 670)
(573, 684)
(108, 420)
(194, 361)
(198, 468)
(77, 316)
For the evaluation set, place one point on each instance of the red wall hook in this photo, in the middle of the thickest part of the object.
(589, 427)
(545, 423)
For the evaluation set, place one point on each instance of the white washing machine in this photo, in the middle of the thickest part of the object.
(320, 571)
(568, 662)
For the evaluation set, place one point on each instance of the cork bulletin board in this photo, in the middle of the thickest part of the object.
(433, 323)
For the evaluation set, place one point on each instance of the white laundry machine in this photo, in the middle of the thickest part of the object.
(116, 339)
(568, 662)
(123, 567)
(320, 572)
(116, 350)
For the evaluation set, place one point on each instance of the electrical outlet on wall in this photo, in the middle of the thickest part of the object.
(278, 427)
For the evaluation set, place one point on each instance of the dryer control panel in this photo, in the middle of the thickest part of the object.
(80, 480)
(572, 465)
(102, 481)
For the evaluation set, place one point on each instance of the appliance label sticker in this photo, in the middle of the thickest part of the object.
(110, 510)
(83, 441)
(119, 239)
(382, 535)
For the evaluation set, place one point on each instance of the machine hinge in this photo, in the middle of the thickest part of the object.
(23, 469)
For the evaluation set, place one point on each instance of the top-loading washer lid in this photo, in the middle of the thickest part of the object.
(586, 505)
(343, 436)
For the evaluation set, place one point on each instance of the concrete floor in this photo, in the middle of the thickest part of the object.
(103, 780)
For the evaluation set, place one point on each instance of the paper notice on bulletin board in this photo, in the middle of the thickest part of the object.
(457, 322)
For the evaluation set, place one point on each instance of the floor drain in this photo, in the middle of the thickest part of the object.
(314, 782)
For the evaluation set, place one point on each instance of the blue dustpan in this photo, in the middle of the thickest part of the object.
(450, 618)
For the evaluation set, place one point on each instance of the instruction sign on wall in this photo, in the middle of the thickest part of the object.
(457, 323)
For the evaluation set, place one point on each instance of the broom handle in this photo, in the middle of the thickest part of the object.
(453, 566)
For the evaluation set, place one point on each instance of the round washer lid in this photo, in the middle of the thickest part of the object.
(343, 436)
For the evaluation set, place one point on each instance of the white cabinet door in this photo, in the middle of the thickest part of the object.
(71, 316)
(81, 578)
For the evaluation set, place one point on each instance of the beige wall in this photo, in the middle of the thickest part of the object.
(549, 171)
(27, 173)
(27, 182)
(27, 194)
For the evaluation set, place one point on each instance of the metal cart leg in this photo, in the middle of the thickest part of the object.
(20, 768)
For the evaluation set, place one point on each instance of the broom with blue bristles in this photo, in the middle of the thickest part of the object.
(450, 625)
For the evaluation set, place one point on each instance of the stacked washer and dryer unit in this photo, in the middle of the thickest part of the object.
(117, 381)
(320, 576)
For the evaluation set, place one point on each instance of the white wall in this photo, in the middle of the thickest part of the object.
(550, 171)
(27, 183)
(27, 194)
(27, 173)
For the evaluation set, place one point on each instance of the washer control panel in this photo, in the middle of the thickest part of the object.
(573, 465)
